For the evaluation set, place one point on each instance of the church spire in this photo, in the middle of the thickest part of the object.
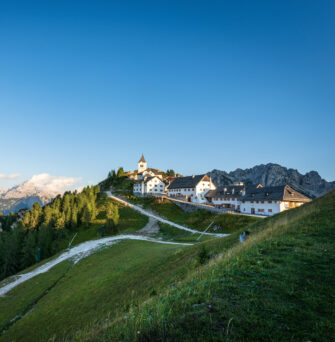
(142, 160)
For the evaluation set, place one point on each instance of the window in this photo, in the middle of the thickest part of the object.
(270, 210)
(261, 210)
(262, 201)
(251, 201)
(257, 201)
(269, 201)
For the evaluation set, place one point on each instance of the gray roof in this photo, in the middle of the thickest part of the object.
(226, 190)
(186, 182)
(275, 193)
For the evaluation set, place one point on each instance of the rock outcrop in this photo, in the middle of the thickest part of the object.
(270, 174)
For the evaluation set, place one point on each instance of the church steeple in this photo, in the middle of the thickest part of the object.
(142, 164)
(142, 160)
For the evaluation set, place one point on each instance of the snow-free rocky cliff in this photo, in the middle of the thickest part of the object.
(310, 184)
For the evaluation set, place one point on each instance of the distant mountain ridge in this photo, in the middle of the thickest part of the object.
(271, 174)
(40, 188)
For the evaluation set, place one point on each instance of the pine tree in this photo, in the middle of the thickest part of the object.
(112, 217)
(28, 250)
(74, 217)
(44, 241)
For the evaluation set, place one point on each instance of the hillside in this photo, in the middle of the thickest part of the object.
(271, 174)
(275, 286)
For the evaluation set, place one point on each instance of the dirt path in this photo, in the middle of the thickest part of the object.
(158, 218)
(151, 227)
(77, 253)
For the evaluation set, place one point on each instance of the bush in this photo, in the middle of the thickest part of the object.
(203, 255)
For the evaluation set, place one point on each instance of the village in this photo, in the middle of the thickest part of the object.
(253, 199)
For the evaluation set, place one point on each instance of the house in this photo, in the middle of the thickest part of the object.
(191, 188)
(149, 186)
(227, 196)
(271, 200)
(257, 200)
(143, 171)
(148, 181)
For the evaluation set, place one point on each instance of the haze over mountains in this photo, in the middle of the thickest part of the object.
(271, 174)
(40, 188)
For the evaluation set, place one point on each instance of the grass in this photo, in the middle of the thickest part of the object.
(199, 219)
(102, 285)
(277, 286)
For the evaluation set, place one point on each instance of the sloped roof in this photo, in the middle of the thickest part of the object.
(142, 160)
(226, 190)
(186, 182)
(275, 193)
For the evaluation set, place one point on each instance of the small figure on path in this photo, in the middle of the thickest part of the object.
(243, 236)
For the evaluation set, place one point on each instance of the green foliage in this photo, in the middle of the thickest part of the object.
(203, 255)
(285, 270)
(46, 228)
(170, 173)
(28, 250)
(112, 217)
(118, 181)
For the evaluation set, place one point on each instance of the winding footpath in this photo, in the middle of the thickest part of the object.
(79, 252)
(86, 248)
(160, 219)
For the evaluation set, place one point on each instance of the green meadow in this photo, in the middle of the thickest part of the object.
(276, 286)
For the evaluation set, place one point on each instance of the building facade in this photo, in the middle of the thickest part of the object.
(149, 186)
(191, 188)
(258, 200)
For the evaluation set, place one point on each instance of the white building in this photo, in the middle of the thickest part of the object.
(258, 200)
(143, 171)
(191, 188)
(149, 186)
(149, 181)
(226, 197)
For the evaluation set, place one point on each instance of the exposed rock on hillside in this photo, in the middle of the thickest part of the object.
(273, 174)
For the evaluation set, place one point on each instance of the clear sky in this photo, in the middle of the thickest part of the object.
(87, 86)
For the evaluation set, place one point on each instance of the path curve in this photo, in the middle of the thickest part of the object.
(79, 252)
(158, 218)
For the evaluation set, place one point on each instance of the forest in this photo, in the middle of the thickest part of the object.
(42, 232)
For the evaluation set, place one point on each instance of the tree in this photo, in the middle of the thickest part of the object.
(60, 221)
(170, 173)
(112, 217)
(44, 241)
(87, 215)
(74, 217)
(28, 250)
(47, 215)
(120, 172)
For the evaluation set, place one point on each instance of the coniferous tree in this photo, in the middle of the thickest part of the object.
(28, 250)
(44, 241)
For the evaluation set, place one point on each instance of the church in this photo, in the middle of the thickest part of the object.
(148, 181)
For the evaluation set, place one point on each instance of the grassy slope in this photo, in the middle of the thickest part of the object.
(100, 286)
(199, 219)
(276, 286)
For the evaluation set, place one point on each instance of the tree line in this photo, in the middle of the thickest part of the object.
(42, 230)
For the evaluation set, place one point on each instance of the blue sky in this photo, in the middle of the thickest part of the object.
(88, 86)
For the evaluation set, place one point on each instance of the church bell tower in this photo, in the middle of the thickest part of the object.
(141, 165)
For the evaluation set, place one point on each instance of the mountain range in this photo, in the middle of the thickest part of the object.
(311, 184)
(40, 188)
(43, 188)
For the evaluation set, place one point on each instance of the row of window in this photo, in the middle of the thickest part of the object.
(178, 190)
(261, 210)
